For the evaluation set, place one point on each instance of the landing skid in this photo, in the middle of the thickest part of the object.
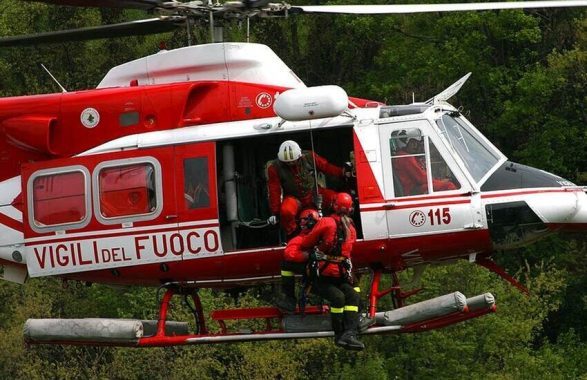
(314, 322)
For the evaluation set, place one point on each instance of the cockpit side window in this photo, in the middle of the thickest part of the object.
(443, 178)
(411, 155)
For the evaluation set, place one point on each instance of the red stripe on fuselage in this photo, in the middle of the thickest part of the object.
(236, 267)
(367, 186)
(526, 192)
(423, 198)
(66, 238)
(392, 206)
(11, 223)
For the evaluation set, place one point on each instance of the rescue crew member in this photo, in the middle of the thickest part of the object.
(196, 196)
(294, 262)
(411, 171)
(291, 175)
(333, 238)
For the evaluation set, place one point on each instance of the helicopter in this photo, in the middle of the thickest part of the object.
(114, 208)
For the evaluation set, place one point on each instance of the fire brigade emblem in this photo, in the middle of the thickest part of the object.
(264, 100)
(90, 117)
(417, 218)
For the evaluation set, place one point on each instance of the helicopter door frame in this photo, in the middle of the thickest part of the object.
(196, 163)
(424, 213)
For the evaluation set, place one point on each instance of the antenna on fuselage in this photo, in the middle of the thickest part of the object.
(211, 21)
(56, 81)
(188, 31)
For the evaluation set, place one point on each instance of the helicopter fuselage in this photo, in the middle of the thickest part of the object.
(164, 182)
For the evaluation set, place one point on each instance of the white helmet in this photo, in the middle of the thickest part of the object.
(410, 134)
(289, 151)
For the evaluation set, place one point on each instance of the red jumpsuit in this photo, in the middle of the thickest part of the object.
(332, 284)
(294, 262)
(293, 251)
(296, 183)
(413, 177)
(324, 236)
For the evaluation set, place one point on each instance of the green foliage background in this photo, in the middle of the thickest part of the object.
(528, 94)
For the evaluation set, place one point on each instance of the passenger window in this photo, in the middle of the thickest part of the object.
(127, 190)
(59, 199)
(408, 162)
(196, 183)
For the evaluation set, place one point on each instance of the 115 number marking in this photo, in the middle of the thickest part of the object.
(440, 216)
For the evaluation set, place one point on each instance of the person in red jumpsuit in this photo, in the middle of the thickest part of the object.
(411, 171)
(332, 240)
(292, 177)
(294, 262)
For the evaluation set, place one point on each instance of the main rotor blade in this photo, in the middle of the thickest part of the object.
(133, 4)
(132, 28)
(424, 8)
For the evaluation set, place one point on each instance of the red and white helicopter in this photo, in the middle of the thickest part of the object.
(93, 184)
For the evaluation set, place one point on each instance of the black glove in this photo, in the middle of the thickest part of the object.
(313, 269)
(317, 255)
(347, 265)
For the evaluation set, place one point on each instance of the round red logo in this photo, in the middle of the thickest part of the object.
(264, 100)
(417, 218)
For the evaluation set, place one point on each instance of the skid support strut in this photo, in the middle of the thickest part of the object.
(197, 310)
(493, 267)
(398, 297)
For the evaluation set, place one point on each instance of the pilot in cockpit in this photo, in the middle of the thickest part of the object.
(409, 166)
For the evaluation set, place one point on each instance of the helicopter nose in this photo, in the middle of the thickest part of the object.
(578, 222)
(566, 212)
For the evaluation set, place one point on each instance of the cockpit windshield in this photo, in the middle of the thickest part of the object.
(478, 156)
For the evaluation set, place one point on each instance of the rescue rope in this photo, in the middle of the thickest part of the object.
(254, 223)
(318, 200)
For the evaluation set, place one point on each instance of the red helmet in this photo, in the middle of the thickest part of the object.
(308, 218)
(343, 204)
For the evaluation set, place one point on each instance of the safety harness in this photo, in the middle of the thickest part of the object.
(313, 269)
(303, 183)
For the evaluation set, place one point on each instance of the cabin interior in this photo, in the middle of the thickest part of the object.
(243, 196)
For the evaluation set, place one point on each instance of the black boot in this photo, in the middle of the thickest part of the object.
(286, 301)
(348, 339)
(337, 326)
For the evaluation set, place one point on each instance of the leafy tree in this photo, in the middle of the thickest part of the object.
(527, 93)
